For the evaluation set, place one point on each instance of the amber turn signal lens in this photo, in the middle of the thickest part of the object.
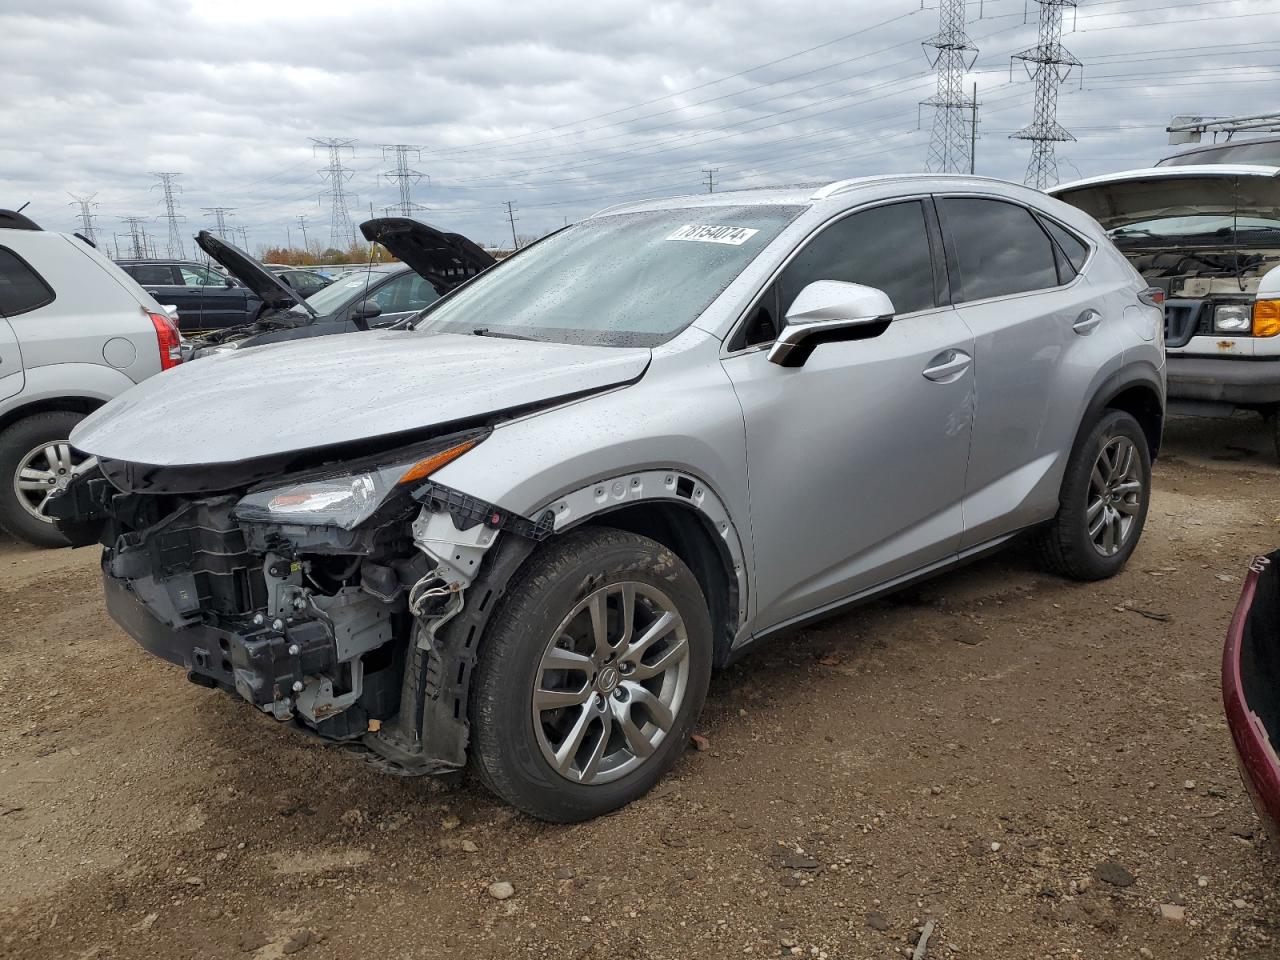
(429, 465)
(1266, 318)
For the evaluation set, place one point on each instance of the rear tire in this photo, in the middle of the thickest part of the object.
(18, 444)
(544, 674)
(1102, 508)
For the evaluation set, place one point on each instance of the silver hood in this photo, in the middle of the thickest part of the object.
(322, 391)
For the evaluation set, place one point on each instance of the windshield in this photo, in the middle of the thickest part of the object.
(1200, 228)
(337, 294)
(634, 279)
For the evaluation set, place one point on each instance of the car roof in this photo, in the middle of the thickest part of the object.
(1221, 145)
(807, 194)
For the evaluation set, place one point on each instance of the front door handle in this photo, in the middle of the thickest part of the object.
(1087, 321)
(947, 366)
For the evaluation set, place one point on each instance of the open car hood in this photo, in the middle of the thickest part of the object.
(327, 391)
(443, 259)
(1135, 196)
(273, 291)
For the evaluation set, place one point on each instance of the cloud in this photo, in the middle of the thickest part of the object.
(562, 107)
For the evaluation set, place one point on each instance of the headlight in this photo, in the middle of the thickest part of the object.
(347, 499)
(1233, 318)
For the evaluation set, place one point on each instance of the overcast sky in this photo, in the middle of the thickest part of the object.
(561, 107)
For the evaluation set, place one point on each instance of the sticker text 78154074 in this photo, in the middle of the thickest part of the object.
(705, 233)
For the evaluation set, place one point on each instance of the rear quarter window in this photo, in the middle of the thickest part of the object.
(21, 288)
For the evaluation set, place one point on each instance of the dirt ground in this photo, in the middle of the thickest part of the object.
(1034, 765)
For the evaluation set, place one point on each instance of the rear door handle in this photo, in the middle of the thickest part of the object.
(947, 366)
(1087, 321)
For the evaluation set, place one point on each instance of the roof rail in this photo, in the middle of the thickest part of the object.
(13, 220)
(838, 187)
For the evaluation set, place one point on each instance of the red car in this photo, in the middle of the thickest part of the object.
(1251, 688)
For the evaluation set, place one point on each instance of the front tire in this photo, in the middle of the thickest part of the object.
(1103, 505)
(591, 676)
(35, 459)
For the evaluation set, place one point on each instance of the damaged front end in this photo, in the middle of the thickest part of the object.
(334, 597)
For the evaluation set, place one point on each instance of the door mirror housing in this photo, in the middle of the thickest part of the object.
(826, 311)
(363, 312)
(228, 283)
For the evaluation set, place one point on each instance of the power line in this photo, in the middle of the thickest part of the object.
(403, 176)
(342, 232)
(169, 184)
(955, 53)
(86, 215)
(219, 215)
(511, 216)
(1053, 64)
(137, 236)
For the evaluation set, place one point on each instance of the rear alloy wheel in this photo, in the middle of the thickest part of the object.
(591, 675)
(37, 460)
(1103, 505)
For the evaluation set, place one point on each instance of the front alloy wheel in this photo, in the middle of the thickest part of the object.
(611, 682)
(590, 675)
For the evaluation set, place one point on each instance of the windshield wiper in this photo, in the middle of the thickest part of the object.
(486, 332)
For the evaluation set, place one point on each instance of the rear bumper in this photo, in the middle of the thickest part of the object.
(1259, 764)
(1222, 380)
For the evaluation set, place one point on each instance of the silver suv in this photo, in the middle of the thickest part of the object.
(75, 331)
(525, 529)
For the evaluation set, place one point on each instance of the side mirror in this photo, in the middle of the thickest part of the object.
(363, 312)
(827, 311)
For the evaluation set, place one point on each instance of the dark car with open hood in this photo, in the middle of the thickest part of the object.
(431, 263)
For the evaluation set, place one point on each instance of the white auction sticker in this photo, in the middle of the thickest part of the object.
(704, 233)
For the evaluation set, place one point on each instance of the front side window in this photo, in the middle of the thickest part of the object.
(631, 279)
(1000, 249)
(21, 288)
(195, 276)
(884, 247)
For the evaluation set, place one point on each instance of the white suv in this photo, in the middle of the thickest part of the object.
(75, 331)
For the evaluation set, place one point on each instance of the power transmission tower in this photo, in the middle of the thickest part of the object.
(168, 183)
(710, 174)
(342, 233)
(137, 236)
(1048, 63)
(511, 215)
(403, 176)
(952, 57)
(87, 216)
(219, 215)
(302, 222)
(244, 235)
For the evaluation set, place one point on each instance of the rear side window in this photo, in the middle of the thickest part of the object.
(21, 288)
(157, 273)
(884, 247)
(1073, 247)
(1000, 249)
